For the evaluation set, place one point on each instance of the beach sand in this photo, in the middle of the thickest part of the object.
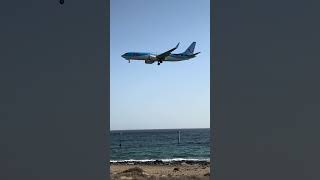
(160, 170)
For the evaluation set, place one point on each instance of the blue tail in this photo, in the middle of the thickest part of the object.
(190, 49)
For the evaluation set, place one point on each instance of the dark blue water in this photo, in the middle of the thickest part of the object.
(160, 145)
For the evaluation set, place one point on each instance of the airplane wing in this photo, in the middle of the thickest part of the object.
(167, 53)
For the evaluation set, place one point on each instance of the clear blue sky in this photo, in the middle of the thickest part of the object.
(174, 94)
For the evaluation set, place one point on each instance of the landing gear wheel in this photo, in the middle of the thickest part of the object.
(158, 63)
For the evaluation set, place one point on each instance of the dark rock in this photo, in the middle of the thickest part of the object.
(189, 162)
(158, 162)
(176, 169)
(135, 170)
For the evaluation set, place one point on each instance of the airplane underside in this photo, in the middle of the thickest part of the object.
(147, 61)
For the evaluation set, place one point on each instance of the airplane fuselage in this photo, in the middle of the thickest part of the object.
(152, 57)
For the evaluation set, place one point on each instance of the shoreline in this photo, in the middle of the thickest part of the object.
(183, 169)
(159, 162)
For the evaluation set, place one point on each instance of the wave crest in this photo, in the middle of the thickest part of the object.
(163, 160)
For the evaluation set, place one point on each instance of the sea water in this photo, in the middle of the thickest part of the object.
(164, 144)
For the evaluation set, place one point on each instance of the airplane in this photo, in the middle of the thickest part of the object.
(150, 58)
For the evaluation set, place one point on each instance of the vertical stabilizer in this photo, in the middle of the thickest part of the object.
(190, 49)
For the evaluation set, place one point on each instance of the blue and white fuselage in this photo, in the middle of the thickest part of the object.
(150, 58)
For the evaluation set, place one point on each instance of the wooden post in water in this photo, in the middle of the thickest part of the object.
(120, 139)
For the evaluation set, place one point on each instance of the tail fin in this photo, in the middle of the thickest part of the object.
(190, 49)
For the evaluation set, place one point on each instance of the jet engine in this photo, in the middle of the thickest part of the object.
(149, 61)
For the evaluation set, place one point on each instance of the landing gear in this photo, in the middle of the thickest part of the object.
(129, 61)
(158, 63)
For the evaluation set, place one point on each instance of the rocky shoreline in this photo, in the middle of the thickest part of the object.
(158, 169)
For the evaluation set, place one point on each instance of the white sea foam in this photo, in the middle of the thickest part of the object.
(163, 160)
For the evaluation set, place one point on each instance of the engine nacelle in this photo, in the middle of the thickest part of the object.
(149, 61)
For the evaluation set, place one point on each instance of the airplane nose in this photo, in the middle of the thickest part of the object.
(123, 55)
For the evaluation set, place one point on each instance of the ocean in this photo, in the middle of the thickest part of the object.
(150, 145)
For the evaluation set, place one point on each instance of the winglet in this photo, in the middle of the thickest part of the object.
(177, 45)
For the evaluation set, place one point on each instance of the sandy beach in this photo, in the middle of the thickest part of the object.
(160, 170)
